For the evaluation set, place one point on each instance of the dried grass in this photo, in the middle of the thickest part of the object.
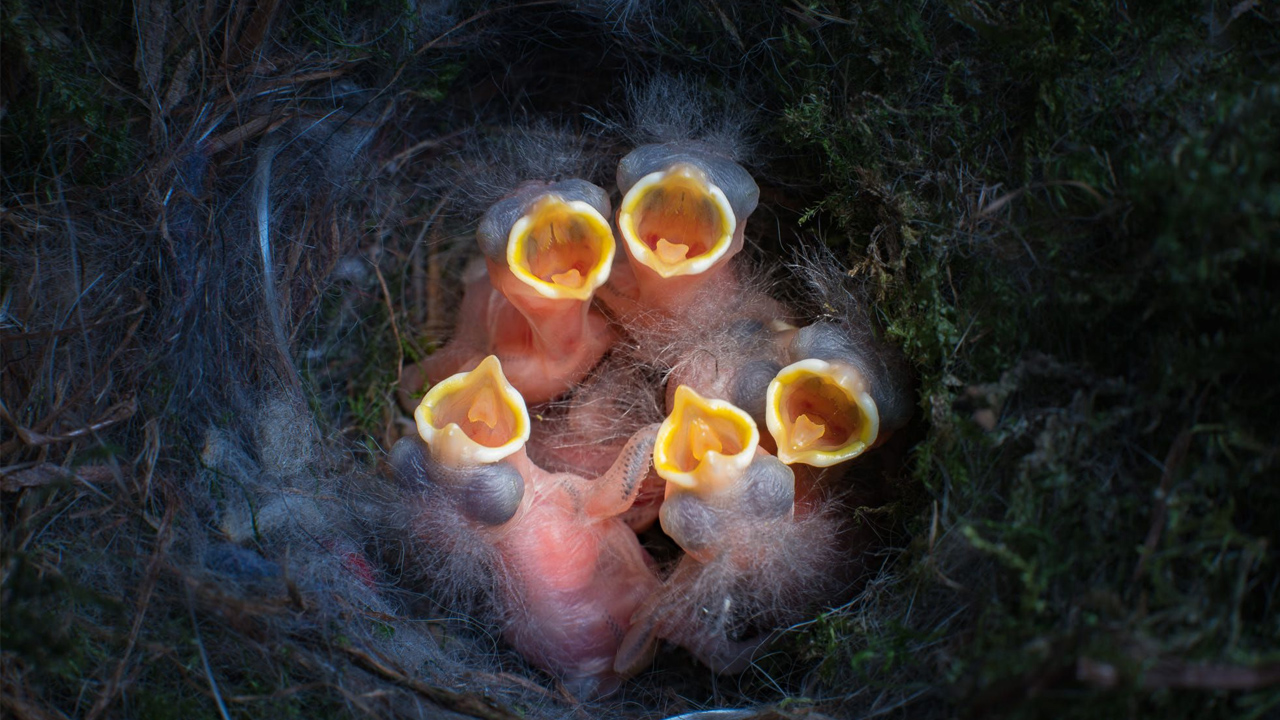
(228, 227)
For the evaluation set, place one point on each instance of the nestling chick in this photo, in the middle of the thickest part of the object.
(835, 400)
(750, 566)
(547, 247)
(584, 432)
(683, 214)
(825, 394)
(682, 219)
(568, 573)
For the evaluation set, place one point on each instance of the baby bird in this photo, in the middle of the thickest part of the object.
(836, 399)
(825, 396)
(547, 248)
(584, 432)
(825, 393)
(750, 565)
(683, 214)
(568, 574)
(682, 219)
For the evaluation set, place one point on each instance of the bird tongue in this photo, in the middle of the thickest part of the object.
(569, 278)
(484, 409)
(702, 439)
(805, 432)
(669, 252)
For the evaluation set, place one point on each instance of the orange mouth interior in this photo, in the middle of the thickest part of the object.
(819, 415)
(702, 430)
(678, 220)
(480, 411)
(562, 246)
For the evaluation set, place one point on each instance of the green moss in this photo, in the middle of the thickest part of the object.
(1064, 213)
(64, 115)
(1115, 288)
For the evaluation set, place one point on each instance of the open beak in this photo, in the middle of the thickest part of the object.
(704, 445)
(473, 418)
(820, 413)
(561, 248)
(676, 222)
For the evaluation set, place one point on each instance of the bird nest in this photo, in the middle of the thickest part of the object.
(232, 232)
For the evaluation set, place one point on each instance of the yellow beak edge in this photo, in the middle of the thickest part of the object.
(820, 413)
(473, 418)
(676, 222)
(561, 248)
(704, 445)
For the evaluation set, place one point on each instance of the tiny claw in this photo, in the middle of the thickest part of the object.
(640, 643)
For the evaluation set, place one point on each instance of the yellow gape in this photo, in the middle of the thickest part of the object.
(473, 417)
(676, 222)
(704, 445)
(820, 413)
(561, 248)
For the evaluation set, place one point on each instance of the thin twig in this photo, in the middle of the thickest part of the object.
(1168, 674)
(204, 658)
(514, 6)
(465, 704)
(391, 313)
(144, 602)
(241, 133)
(394, 163)
(47, 421)
(435, 297)
(281, 693)
(995, 205)
(1172, 462)
(46, 334)
(115, 414)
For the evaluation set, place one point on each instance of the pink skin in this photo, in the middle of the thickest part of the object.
(705, 303)
(572, 573)
(587, 437)
(644, 513)
(581, 447)
(726, 544)
(593, 458)
(650, 307)
(581, 574)
(467, 347)
(638, 295)
(545, 344)
(635, 291)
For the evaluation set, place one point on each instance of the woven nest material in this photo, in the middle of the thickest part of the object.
(230, 229)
